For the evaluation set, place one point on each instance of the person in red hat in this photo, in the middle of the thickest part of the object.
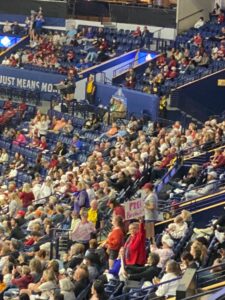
(20, 217)
(151, 209)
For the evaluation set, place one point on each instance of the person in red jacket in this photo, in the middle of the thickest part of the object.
(24, 280)
(134, 248)
(26, 195)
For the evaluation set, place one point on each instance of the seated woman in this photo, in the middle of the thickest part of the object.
(4, 157)
(43, 144)
(172, 272)
(21, 278)
(15, 160)
(35, 142)
(20, 138)
(75, 256)
(92, 123)
(45, 286)
(26, 195)
(178, 229)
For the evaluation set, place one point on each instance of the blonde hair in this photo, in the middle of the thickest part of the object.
(49, 275)
(178, 219)
(66, 284)
(186, 215)
(25, 270)
(26, 187)
(80, 186)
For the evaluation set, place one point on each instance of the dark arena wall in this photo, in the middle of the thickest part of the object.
(57, 9)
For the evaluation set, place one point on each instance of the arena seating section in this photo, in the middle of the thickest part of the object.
(114, 287)
(139, 150)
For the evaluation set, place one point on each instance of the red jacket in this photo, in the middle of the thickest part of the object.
(220, 161)
(23, 282)
(27, 198)
(135, 253)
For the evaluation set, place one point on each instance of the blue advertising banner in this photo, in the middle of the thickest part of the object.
(30, 80)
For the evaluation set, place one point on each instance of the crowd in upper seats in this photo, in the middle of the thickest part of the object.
(33, 25)
(76, 49)
(11, 28)
(187, 58)
(64, 194)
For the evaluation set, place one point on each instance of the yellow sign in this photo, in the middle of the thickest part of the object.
(221, 82)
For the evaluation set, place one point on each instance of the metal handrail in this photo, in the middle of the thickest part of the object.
(128, 64)
(194, 200)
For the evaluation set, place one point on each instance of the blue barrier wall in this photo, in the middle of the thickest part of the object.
(201, 98)
(136, 101)
(31, 80)
(43, 81)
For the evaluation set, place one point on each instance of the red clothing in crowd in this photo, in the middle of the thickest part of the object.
(119, 211)
(7, 105)
(22, 282)
(115, 239)
(27, 198)
(53, 163)
(22, 106)
(220, 161)
(20, 139)
(135, 253)
(166, 161)
(220, 19)
(43, 145)
(197, 40)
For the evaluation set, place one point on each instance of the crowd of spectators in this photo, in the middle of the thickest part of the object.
(73, 50)
(187, 57)
(67, 195)
(62, 193)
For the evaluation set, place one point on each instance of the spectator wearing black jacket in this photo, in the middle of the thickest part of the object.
(16, 231)
(146, 273)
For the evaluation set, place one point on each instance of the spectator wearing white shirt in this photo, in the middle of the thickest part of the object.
(6, 61)
(46, 189)
(199, 23)
(178, 229)
(42, 126)
(166, 252)
(7, 27)
(173, 271)
(4, 157)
